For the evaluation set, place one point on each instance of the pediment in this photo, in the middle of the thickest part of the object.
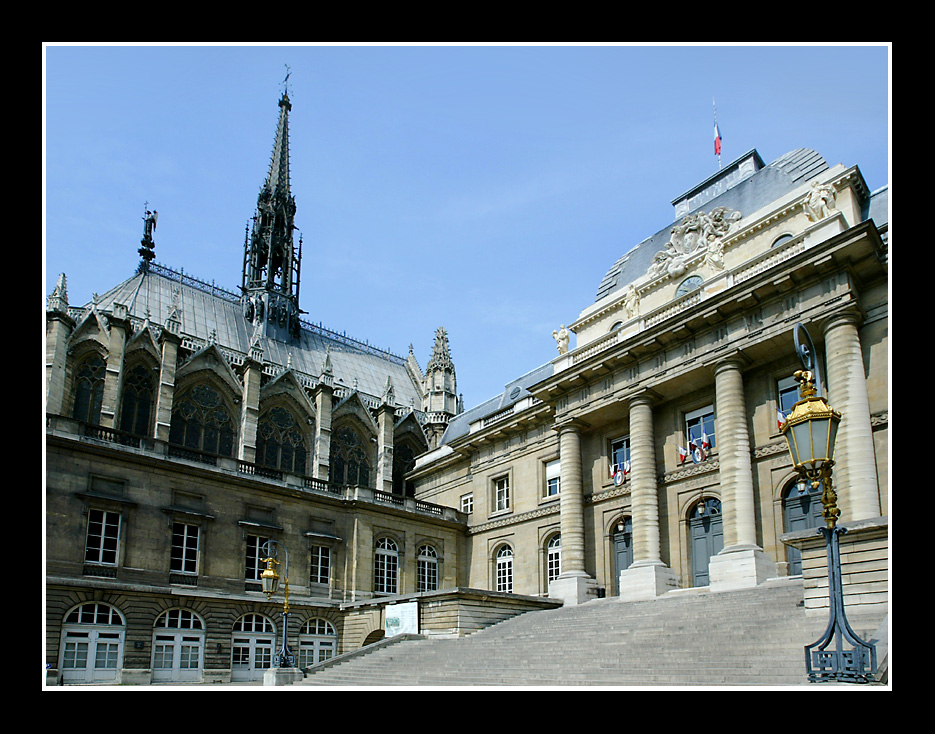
(408, 425)
(210, 359)
(286, 384)
(354, 405)
(145, 340)
(92, 327)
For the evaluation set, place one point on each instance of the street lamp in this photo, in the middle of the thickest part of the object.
(810, 430)
(270, 583)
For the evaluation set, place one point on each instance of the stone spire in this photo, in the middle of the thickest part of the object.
(271, 266)
(440, 389)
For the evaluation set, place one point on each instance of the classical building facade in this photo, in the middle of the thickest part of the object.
(188, 425)
(649, 458)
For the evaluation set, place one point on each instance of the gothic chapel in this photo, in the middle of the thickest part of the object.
(188, 425)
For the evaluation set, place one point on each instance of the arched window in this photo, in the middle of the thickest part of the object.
(427, 569)
(89, 390)
(136, 406)
(554, 557)
(317, 642)
(251, 647)
(386, 567)
(92, 644)
(349, 462)
(279, 442)
(404, 459)
(505, 569)
(201, 422)
(178, 646)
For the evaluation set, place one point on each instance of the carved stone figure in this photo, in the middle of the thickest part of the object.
(697, 233)
(631, 301)
(820, 201)
(562, 338)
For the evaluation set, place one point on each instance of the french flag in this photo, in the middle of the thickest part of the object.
(717, 140)
(780, 418)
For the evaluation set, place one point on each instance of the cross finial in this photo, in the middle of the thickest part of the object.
(285, 82)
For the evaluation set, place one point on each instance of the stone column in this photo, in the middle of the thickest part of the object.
(321, 463)
(165, 394)
(113, 375)
(59, 326)
(386, 416)
(855, 471)
(249, 408)
(647, 577)
(742, 562)
(573, 584)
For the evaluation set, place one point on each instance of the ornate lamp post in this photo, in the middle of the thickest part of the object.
(810, 430)
(270, 581)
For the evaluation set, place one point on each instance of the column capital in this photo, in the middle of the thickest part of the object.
(848, 315)
(644, 397)
(575, 425)
(735, 360)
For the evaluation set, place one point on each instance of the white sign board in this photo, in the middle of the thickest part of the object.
(402, 619)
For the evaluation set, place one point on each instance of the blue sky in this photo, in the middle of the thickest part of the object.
(486, 189)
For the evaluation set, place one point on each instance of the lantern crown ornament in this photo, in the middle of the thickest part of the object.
(269, 578)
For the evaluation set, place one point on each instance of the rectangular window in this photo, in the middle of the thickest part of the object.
(553, 479)
(321, 564)
(184, 558)
(255, 556)
(103, 534)
(467, 503)
(619, 455)
(699, 424)
(501, 493)
(788, 394)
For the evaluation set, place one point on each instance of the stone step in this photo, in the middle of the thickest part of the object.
(749, 637)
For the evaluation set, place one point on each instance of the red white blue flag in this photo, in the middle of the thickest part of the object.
(717, 139)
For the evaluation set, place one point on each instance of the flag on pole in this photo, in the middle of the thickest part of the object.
(717, 139)
(683, 454)
(780, 418)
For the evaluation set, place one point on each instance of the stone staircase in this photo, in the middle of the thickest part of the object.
(692, 637)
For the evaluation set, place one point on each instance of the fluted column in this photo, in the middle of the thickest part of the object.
(741, 563)
(733, 446)
(573, 585)
(571, 500)
(647, 577)
(855, 472)
(643, 490)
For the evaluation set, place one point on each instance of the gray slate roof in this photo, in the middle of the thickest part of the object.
(786, 173)
(205, 308)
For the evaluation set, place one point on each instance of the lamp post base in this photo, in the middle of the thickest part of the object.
(282, 676)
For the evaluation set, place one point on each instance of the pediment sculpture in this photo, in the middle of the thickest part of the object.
(697, 233)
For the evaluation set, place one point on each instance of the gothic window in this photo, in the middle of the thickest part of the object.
(89, 390)
(404, 459)
(201, 422)
(279, 442)
(135, 409)
(349, 462)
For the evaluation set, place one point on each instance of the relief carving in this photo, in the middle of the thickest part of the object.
(697, 233)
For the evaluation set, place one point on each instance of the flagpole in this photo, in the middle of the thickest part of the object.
(717, 136)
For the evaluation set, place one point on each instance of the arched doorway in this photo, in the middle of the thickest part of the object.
(622, 544)
(254, 637)
(92, 644)
(706, 532)
(178, 646)
(801, 510)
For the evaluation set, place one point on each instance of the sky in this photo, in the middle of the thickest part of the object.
(483, 188)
